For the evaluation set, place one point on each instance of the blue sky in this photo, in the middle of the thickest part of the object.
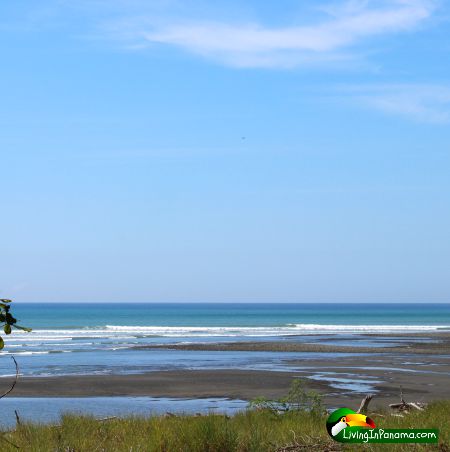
(225, 151)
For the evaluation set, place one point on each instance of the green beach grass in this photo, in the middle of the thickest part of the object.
(251, 430)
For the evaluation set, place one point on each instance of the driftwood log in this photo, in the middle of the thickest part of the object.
(365, 404)
(401, 407)
(405, 407)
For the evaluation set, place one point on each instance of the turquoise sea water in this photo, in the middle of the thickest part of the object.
(97, 315)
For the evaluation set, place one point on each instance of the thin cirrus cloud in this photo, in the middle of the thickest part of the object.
(255, 45)
(419, 102)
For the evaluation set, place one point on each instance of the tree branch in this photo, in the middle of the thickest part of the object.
(15, 380)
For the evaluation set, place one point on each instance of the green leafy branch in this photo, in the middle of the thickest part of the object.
(7, 321)
(297, 400)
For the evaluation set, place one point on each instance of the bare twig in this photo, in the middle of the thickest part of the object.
(15, 380)
(401, 396)
(404, 406)
(17, 417)
(2, 437)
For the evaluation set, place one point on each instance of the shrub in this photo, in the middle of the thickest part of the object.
(7, 321)
(297, 399)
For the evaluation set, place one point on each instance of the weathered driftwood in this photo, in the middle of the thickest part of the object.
(404, 406)
(417, 406)
(365, 404)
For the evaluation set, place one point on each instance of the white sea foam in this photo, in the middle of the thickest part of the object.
(290, 329)
(126, 331)
(60, 338)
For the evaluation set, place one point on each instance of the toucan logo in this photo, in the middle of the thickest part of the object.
(344, 420)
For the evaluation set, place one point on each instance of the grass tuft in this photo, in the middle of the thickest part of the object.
(247, 431)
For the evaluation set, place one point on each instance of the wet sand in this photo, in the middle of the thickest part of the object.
(379, 372)
(233, 384)
(419, 363)
(239, 384)
(435, 343)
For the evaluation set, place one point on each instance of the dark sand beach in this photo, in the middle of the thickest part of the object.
(421, 368)
(440, 345)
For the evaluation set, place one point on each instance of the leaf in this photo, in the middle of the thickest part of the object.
(7, 329)
(10, 319)
(2, 344)
(23, 328)
(5, 300)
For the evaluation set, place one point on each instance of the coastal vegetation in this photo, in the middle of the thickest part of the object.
(299, 399)
(7, 321)
(253, 430)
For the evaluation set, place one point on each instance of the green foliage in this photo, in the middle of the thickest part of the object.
(7, 321)
(248, 431)
(297, 399)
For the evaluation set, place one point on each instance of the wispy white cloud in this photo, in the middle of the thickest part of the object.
(422, 103)
(341, 28)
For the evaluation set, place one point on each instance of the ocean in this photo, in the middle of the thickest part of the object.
(107, 338)
(102, 338)
(276, 317)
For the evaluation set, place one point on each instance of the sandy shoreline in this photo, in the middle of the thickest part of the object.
(186, 384)
(248, 384)
(278, 346)
(420, 363)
